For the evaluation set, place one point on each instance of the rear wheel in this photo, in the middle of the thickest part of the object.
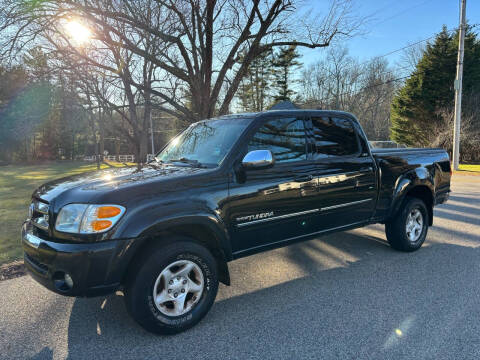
(408, 229)
(172, 288)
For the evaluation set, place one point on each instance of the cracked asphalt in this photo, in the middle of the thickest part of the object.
(343, 296)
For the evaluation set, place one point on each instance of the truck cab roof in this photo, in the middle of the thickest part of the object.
(288, 112)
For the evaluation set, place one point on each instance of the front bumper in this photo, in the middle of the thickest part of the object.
(92, 267)
(442, 198)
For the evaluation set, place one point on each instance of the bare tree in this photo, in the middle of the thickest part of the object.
(442, 135)
(341, 82)
(201, 39)
(332, 81)
(411, 55)
(372, 102)
(102, 61)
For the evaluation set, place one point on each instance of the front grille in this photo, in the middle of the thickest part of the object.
(41, 268)
(43, 234)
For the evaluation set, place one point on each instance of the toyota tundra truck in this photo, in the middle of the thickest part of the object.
(224, 188)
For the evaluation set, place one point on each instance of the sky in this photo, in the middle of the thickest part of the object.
(395, 24)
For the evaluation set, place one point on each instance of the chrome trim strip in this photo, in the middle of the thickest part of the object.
(286, 216)
(32, 240)
(340, 174)
(41, 207)
(345, 204)
(40, 226)
(301, 236)
(278, 217)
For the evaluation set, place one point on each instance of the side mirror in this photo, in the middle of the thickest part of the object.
(258, 159)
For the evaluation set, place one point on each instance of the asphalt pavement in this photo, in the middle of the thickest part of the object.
(343, 296)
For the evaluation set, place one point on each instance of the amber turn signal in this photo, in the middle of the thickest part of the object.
(108, 212)
(99, 225)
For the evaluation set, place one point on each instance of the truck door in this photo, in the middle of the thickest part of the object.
(276, 204)
(345, 172)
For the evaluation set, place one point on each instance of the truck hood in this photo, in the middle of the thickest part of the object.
(88, 186)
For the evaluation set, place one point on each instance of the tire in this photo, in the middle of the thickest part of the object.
(404, 233)
(151, 272)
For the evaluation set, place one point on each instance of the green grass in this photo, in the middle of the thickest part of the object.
(17, 182)
(469, 167)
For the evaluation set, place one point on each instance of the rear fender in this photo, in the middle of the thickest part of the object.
(418, 182)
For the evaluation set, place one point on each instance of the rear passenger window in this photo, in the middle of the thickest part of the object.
(284, 137)
(333, 137)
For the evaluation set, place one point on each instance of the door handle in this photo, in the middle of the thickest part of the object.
(303, 178)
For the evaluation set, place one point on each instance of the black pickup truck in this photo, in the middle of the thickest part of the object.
(223, 189)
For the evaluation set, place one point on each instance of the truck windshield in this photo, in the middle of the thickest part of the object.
(204, 143)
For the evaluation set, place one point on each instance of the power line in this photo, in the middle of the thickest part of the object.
(402, 48)
(332, 97)
(356, 91)
(386, 72)
(412, 44)
(400, 12)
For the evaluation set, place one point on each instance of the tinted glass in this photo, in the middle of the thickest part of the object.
(333, 137)
(207, 142)
(284, 137)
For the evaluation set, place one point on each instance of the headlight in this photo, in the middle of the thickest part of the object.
(88, 219)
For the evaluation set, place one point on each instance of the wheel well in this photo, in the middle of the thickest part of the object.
(199, 233)
(425, 194)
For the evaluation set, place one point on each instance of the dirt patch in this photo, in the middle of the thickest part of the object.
(12, 270)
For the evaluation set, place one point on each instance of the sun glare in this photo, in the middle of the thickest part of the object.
(78, 32)
(175, 141)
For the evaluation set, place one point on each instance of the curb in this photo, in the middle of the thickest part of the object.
(466, 173)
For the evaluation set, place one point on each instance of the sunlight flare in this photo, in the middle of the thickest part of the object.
(78, 32)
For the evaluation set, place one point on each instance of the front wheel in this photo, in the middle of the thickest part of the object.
(172, 288)
(408, 230)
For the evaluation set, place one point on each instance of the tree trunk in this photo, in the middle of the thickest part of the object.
(97, 156)
(117, 148)
(73, 146)
(142, 148)
(101, 128)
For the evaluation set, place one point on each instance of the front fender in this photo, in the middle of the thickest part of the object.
(206, 220)
(139, 231)
(149, 221)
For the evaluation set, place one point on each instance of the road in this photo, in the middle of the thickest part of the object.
(342, 296)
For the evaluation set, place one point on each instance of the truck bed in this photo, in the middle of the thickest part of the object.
(397, 163)
(406, 151)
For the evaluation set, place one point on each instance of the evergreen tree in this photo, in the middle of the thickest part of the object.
(430, 88)
(244, 94)
(261, 71)
(284, 63)
(254, 90)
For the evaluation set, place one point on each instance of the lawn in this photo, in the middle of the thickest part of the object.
(469, 167)
(17, 183)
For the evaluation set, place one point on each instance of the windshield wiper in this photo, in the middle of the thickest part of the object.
(155, 161)
(184, 160)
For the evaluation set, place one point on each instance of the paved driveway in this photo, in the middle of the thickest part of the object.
(342, 296)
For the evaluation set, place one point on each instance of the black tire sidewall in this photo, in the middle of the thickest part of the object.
(411, 204)
(140, 292)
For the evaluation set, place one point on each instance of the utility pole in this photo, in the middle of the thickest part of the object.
(458, 88)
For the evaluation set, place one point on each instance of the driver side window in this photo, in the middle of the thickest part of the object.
(284, 137)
